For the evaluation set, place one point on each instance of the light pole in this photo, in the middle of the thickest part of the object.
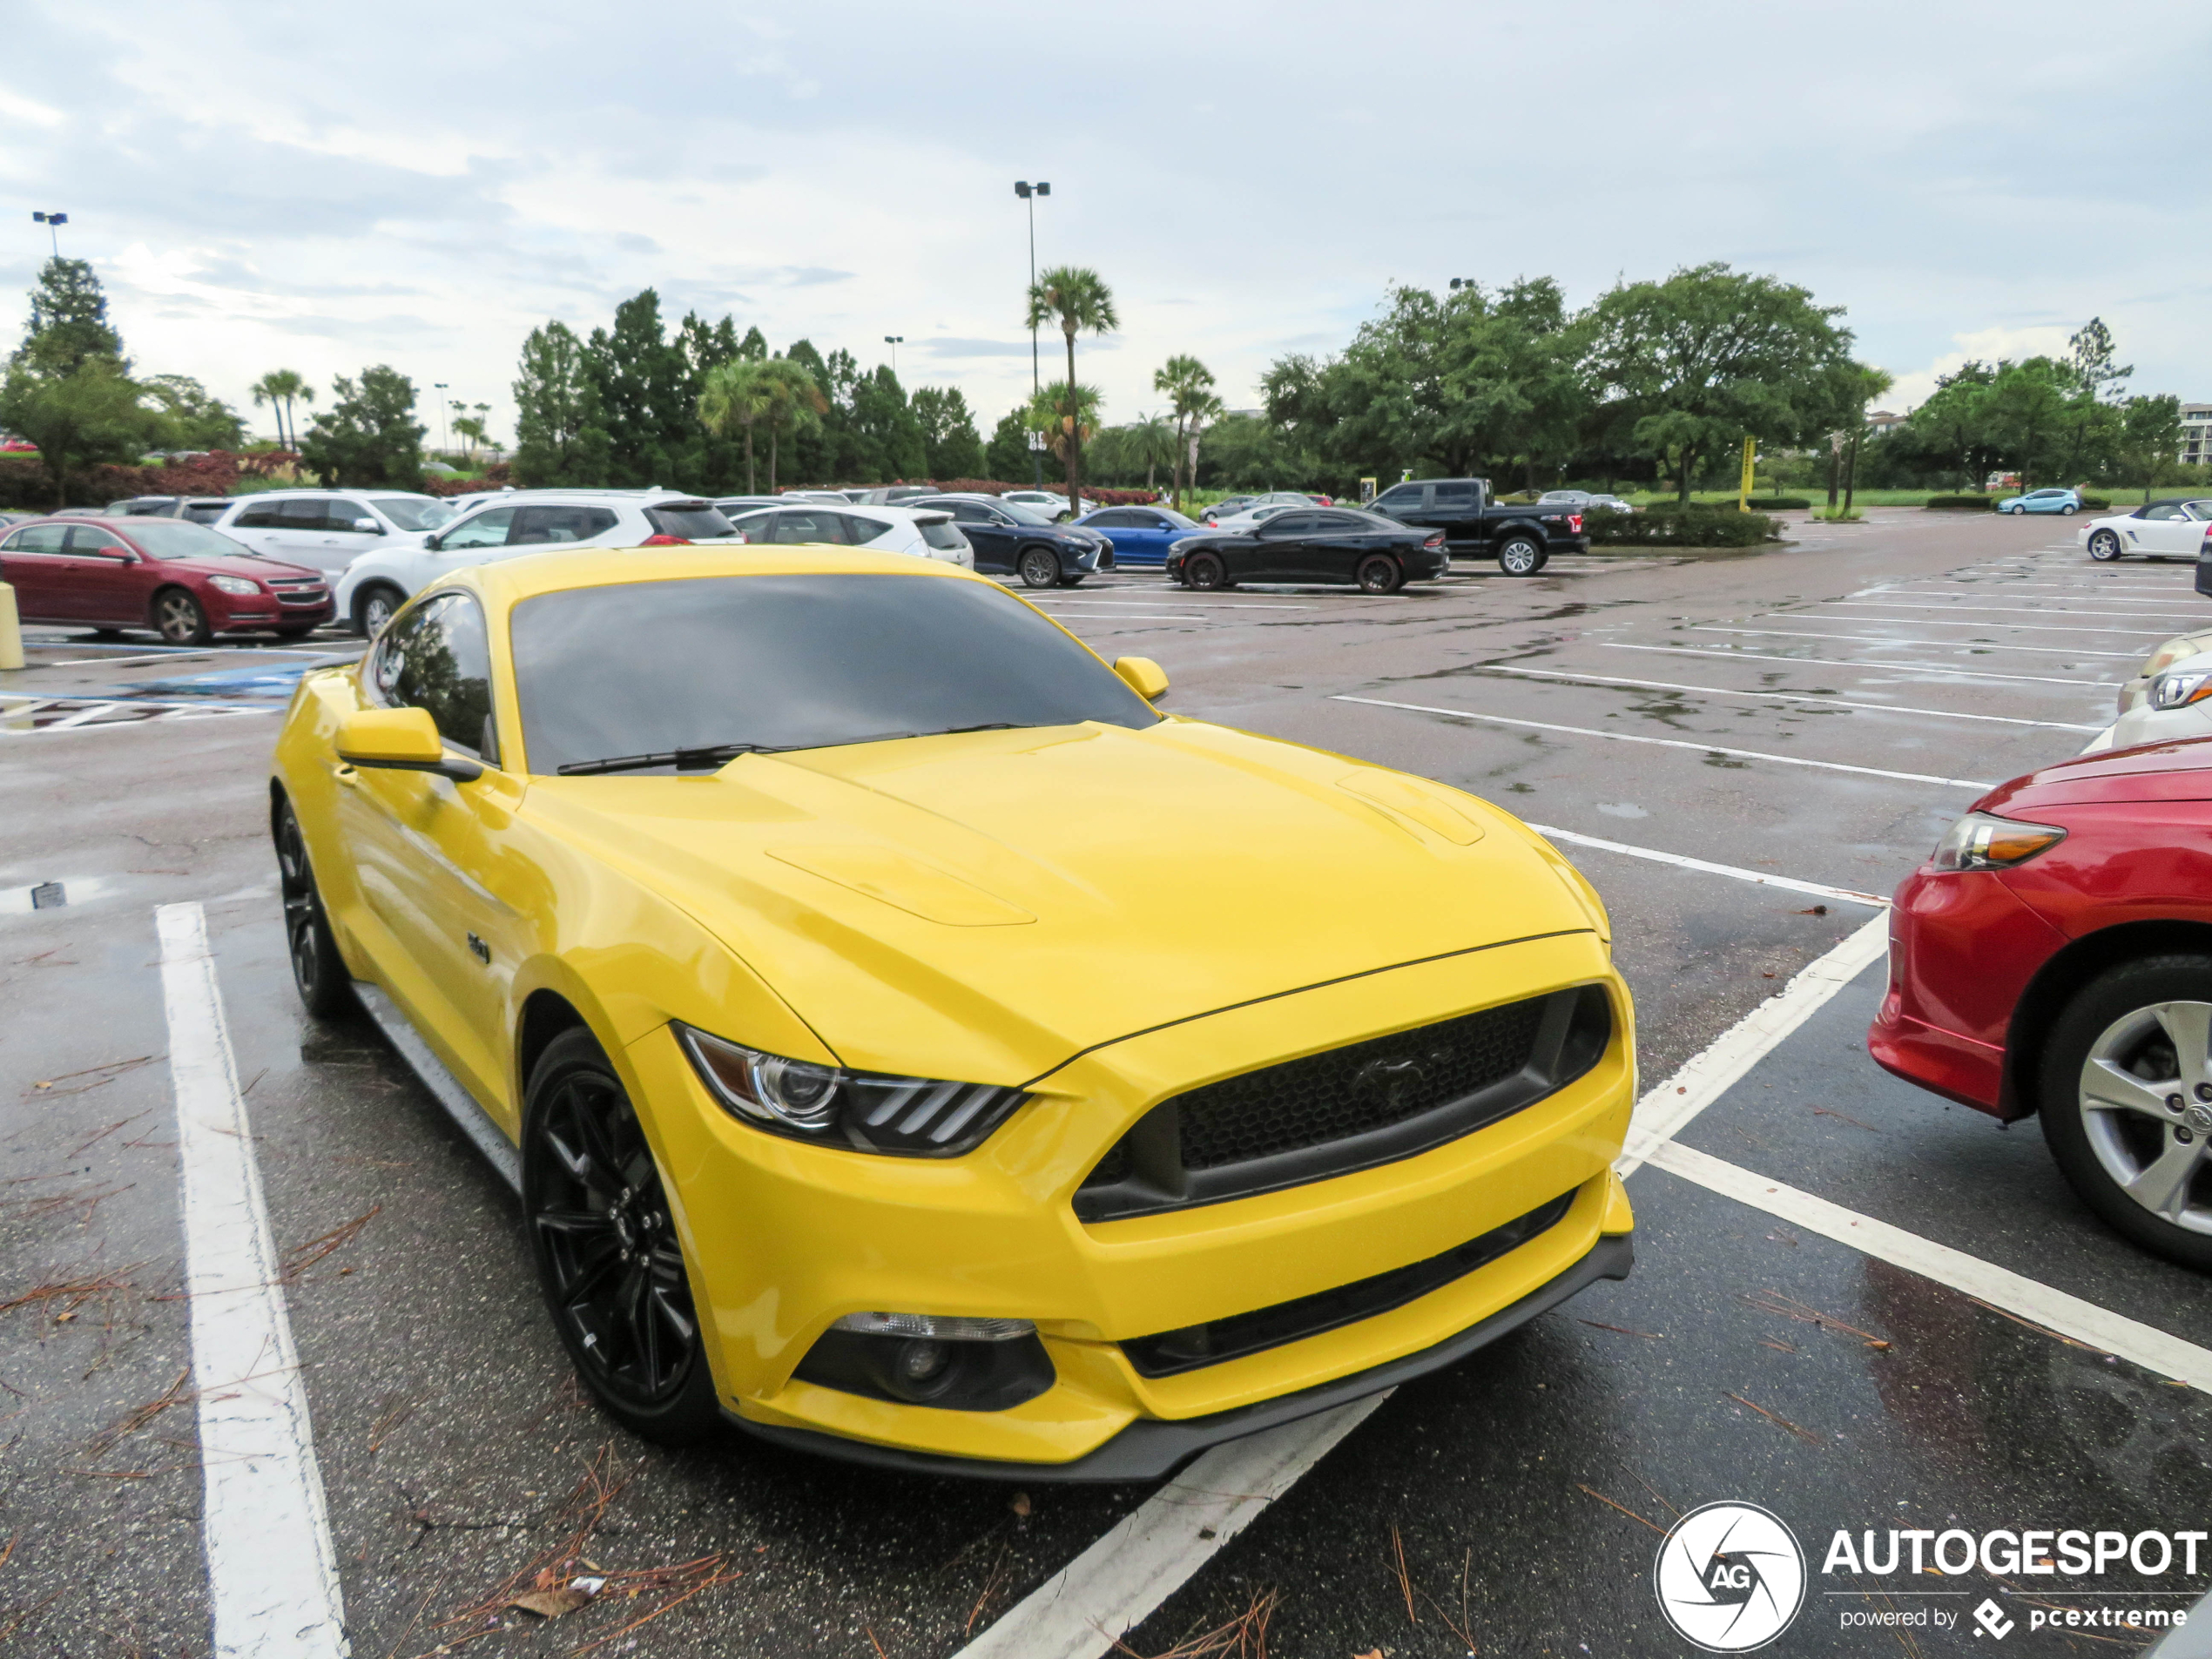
(445, 436)
(53, 222)
(1030, 192)
(895, 341)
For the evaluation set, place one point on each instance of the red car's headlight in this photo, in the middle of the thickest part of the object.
(1983, 841)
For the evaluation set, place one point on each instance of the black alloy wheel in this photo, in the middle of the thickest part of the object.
(1039, 567)
(1522, 555)
(320, 972)
(2127, 1102)
(607, 1257)
(2104, 546)
(178, 619)
(1379, 573)
(1204, 572)
(374, 606)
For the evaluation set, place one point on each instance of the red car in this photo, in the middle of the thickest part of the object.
(2054, 956)
(184, 581)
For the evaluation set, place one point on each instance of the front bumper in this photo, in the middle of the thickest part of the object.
(784, 1239)
(243, 615)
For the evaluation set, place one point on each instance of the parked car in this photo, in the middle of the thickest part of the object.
(1141, 536)
(2042, 501)
(201, 510)
(1227, 507)
(1010, 538)
(877, 495)
(923, 534)
(378, 583)
(827, 497)
(1521, 538)
(2176, 703)
(2178, 528)
(1583, 501)
(1252, 518)
(1269, 1079)
(730, 506)
(1601, 503)
(2053, 957)
(1314, 544)
(11, 517)
(1053, 503)
(184, 581)
(329, 529)
(2169, 654)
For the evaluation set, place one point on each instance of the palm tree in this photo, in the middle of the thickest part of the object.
(795, 405)
(1078, 299)
(278, 388)
(1152, 440)
(737, 393)
(1189, 385)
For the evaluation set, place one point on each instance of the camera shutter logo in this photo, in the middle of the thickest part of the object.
(1729, 1577)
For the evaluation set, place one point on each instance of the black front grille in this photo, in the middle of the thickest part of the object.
(1349, 1108)
(1308, 1316)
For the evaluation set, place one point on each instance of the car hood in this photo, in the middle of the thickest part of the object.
(240, 564)
(989, 905)
(2180, 770)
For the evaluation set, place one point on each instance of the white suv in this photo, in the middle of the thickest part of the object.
(927, 535)
(329, 529)
(516, 522)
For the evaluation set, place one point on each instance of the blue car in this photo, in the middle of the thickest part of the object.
(1141, 536)
(2042, 501)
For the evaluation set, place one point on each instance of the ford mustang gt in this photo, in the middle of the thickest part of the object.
(909, 1044)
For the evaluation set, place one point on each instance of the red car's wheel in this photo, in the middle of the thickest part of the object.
(179, 618)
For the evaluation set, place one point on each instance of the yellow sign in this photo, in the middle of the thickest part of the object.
(1367, 490)
(1743, 495)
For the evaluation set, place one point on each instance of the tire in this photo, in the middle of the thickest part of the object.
(318, 971)
(2104, 546)
(2016, 511)
(1522, 555)
(179, 618)
(373, 608)
(1379, 573)
(1071, 581)
(2135, 1038)
(1205, 573)
(608, 1262)
(2066, 511)
(1038, 567)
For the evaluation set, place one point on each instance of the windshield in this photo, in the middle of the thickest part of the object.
(178, 538)
(793, 661)
(1021, 513)
(407, 513)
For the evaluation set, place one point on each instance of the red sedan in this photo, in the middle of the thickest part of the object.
(2054, 956)
(184, 581)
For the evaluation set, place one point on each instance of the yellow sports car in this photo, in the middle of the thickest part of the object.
(910, 1044)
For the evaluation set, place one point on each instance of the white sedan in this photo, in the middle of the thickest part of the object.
(2177, 703)
(2176, 527)
(1252, 518)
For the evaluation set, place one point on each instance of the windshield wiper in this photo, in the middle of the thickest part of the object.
(682, 760)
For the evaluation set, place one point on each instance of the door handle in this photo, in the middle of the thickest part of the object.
(345, 773)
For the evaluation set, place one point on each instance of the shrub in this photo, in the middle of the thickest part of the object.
(1964, 502)
(25, 487)
(1671, 525)
(1778, 503)
(999, 486)
(2097, 503)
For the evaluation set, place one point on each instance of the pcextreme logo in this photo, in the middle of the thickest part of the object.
(1729, 1577)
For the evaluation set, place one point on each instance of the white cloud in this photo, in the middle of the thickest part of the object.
(1983, 345)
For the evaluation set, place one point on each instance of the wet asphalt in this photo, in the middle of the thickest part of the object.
(1522, 1487)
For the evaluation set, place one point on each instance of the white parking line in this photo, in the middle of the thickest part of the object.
(2023, 611)
(272, 1572)
(1847, 662)
(1816, 889)
(1128, 616)
(1791, 696)
(1931, 644)
(1224, 604)
(1670, 742)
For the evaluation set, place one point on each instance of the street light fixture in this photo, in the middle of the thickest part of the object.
(895, 341)
(53, 222)
(1462, 282)
(445, 435)
(1030, 192)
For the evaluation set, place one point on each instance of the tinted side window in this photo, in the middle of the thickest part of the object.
(861, 531)
(83, 538)
(970, 512)
(1455, 495)
(261, 515)
(537, 525)
(1402, 497)
(1284, 524)
(39, 538)
(443, 663)
(818, 525)
(1338, 523)
(304, 513)
(484, 529)
(1112, 519)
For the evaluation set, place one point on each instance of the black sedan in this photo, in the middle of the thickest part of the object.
(1328, 544)
(1010, 538)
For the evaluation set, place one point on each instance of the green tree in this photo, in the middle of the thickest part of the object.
(646, 406)
(1188, 385)
(69, 325)
(1711, 356)
(737, 397)
(2026, 411)
(796, 405)
(1151, 440)
(558, 435)
(951, 447)
(368, 438)
(887, 436)
(1952, 427)
(2089, 355)
(280, 388)
(1079, 300)
(90, 413)
(191, 417)
(1006, 456)
(2150, 436)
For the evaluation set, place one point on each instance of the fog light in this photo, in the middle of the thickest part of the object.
(919, 1361)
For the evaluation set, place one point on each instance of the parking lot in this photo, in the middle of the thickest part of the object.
(1854, 1304)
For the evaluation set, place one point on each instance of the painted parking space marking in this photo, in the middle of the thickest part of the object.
(25, 716)
(2026, 611)
(1671, 743)
(1846, 662)
(1788, 697)
(1815, 890)
(271, 1571)
(1931, 644)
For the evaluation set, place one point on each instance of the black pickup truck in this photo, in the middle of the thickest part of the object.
(1520, 538)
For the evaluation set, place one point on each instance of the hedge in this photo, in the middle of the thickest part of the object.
(999, 486)
(1967, 502)
(1778, 503)
(1671, 525)
(25, 487)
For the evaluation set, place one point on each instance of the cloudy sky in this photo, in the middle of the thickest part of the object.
(320, 187)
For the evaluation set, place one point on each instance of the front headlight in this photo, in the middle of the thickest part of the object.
(234, 584)
(1983, 841)
(908, 1117)
(2179, 690)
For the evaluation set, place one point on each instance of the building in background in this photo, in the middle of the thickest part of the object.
(2196, 433)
